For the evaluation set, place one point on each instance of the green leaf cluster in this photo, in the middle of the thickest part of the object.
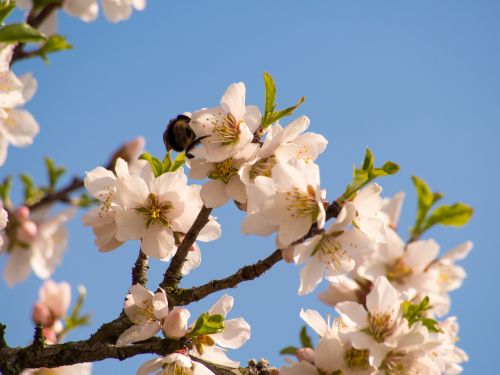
(207, 324)
(5, 188)
(75, 320)
(367, 173)
(54, 43)
(305, 342)
(32, 193)
(416, 313)
(20, 33)
(456, 215)
(167, 165)
(54, 173)
(270, 114)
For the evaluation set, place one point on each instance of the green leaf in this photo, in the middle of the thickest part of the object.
(289, 350)
(167, 162)
(367, 173)
(5, 10)
(155, 163)
(5, 188)
(305, 339)
(178, 162)
(20, 32)
(207, 324)
(455, 215)
(416, 313)
(32, 194)
(53, 172)
(270, 94)
(55, 43)
(425, 196)
(275, 116)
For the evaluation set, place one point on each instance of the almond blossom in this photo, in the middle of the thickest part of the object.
(149, 313)
(226, 130)
(53, 302)
(289, 203)
(173, 364)
(35, 242)
(77, 369)
(234, 334)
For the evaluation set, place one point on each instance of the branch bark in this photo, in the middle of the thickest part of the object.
(140, 269)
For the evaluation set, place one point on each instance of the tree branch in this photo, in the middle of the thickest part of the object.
(140, 269)
(172, 275)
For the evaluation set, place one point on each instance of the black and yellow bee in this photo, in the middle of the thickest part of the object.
(179, 136)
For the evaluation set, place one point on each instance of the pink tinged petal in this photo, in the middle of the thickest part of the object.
(252, 117)
(86, 10)
(169, 182)
(138, 333)
(303, 251)
(150, 366)
(202, 120)
(158, 242)
(222, 306)
(315, 321)
(213, 193)
(56, 296)
(18, 267)
(292, 230)
(459, 252)
(200, 169)
(256, 224)
(420, 254)
(99, 182)
(328, 355)
(383, 298)
(353, 314)
(236, 332)
(233, 100)
(236, 189)
(210, 232)
(116, 10)
(130, 225)
(20, 127)
(193, 260)
(368, 201)
(29, 86)
(132, 191)
(301, 368)
(138, 295)
(392, 208)
(160, 305)
(175, 324)
(311, 275)
(217, 355)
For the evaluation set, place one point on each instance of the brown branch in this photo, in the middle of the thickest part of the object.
(250, 272)
(62, 195)
(172, 275)
(140, 269)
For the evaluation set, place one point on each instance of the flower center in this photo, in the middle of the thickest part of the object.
(155, 212)
(357, 359)
(263, 167)
(400, 363)
(105, 207)
(203, 340)
(224, 170)
(331, 251)
(301, 204)
(175, 369)
(226, 129)
(398, 271)
(380, 325)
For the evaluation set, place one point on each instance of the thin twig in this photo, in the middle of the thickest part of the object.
(140, 269)
(172, 275)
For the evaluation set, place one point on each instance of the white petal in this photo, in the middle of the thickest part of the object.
(236, 189)
(86, 10)
(210, 232)
(420, 254)
(311, 275)
(116, 10)
(328, 355)
(217, 355)
(353, 314)
(129, 225)
(315, 321)
(18, 267)
(301, 368)
(256, 224)
(193, 260)
(160, 305)
(236, 332)
(303, 251)
(99, 182)
(222, 306)
(383, 298)
(292, 230)
(252, 118)
(368, 201)
(158, 243)
(29, 85)
(150, 366)
(138, 333)
(459, 252)
(20, 127)
(214, 193)
(233, 100)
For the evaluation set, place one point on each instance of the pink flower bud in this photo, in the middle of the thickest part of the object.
(41, 314)
(305, 354)
(175, 323)
(288, 254)
(27, 231)
(22, 213)
(50, 336)
(134, 148)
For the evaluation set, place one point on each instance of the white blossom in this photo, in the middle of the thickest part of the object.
(173, 364)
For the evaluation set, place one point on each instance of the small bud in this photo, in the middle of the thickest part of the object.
(40, 314)
(305, 354)
(22, 213)
(50, 336)
(175, 324)
(288, 254)
(82, 291)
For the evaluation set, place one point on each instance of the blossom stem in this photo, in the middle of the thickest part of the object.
(140, 269)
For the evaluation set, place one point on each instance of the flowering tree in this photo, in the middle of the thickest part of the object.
(389, 294)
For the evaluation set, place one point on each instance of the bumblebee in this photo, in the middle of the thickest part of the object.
(179, 136)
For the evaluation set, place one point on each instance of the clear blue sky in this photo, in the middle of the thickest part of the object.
(418, 82)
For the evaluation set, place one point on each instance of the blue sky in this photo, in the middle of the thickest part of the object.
(417, 82)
